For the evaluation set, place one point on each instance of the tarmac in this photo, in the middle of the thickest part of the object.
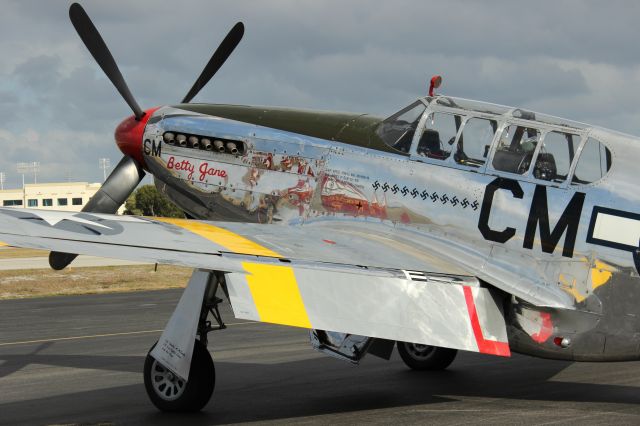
(78, 360)
(43, 262)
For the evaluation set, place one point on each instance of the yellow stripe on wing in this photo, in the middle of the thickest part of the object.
(273, 287)
(276, 295)
(227, 239)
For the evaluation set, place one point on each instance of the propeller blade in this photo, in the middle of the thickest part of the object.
(100, 52)
(112, 194)
(217, 60)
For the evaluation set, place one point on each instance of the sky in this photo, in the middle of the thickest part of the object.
(575, 59)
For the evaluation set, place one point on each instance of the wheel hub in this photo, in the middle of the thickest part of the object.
(418, 351)
(167, 385)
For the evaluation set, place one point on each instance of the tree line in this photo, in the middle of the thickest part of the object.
(148, 201)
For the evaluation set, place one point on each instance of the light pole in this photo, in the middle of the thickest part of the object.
(104, 164)
(23, 168)
(3, 178)
(33, 167)
(36, 168)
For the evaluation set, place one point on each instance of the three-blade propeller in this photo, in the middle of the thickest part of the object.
(128, 173)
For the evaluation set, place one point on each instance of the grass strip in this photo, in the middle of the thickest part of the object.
(20, 284)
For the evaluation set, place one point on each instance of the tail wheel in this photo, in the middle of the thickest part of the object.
(169, 392)
(425, 357)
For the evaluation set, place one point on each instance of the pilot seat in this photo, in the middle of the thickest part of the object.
(430, 145)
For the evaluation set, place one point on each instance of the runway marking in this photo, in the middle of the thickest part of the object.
(93, 336)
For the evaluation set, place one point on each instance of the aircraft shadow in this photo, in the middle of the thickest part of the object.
(250, 392)
(16, 362)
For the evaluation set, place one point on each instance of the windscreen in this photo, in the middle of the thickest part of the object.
(397, 131)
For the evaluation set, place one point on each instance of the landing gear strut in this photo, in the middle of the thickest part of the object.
(166, 389)
(425, 357)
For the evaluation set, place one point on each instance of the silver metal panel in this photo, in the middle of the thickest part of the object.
(376, 244)
(432, 310)
(396, 309)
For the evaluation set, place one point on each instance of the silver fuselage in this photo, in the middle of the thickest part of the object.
(582, 287)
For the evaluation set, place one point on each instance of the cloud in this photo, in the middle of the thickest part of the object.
(62, 154)
(567, 58)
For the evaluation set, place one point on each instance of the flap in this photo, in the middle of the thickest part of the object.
(439, 310)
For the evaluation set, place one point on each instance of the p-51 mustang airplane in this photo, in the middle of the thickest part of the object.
(451, 225)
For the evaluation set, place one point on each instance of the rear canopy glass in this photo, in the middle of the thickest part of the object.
(593, 164)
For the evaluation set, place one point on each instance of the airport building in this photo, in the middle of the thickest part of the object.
(66, 196)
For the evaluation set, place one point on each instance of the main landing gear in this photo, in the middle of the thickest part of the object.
(425, 357)
(169, 392)
(166, 389)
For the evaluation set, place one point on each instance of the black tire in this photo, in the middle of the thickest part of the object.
(177, 395)
(425, 357)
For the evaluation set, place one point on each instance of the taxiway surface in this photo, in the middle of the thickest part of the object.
(43, 262)
(78, 359)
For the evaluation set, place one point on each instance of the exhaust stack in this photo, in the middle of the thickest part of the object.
(206, 144)
(232, 148)
(181, 140)
(219, 145)
(194, 142)
(169, 138)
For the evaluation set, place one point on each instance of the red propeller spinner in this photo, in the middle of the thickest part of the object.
(129, 134)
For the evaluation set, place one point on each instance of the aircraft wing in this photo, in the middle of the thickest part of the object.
(359, 278)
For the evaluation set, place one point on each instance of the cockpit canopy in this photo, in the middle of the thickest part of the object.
(497, 139)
